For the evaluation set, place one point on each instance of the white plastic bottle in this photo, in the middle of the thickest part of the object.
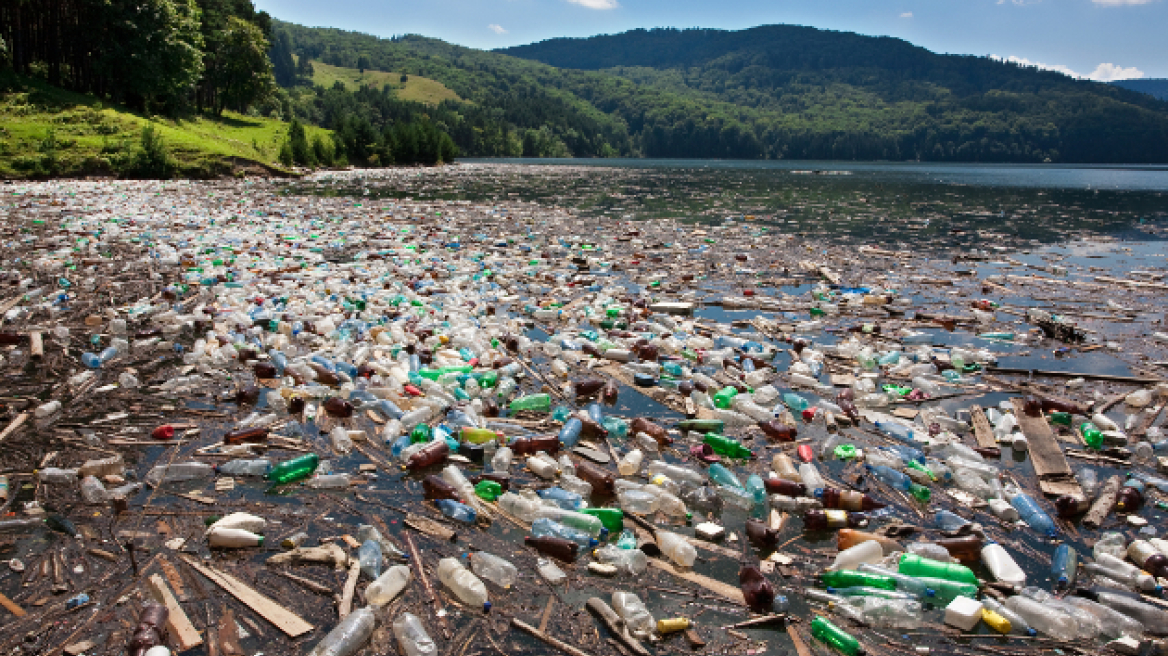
(349, 636)
(677, 548)
(412, 637)
(463, 583)
(854, 556)
(388, 586)
(233, 538)
(494, 569)
(633, 611)
(1001, 564)
(631, 463)
(240, 520)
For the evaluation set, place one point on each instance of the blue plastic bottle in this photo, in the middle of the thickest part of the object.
(570, 432)
(456, 511)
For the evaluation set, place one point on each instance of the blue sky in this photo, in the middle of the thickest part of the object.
(1101, 39)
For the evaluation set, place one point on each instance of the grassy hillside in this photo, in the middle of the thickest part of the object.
(47, 131)
(415, 89)
(775, 91)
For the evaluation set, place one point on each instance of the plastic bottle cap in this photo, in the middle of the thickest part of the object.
(486, 606)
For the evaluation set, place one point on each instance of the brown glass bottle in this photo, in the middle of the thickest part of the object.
(586, 388)
(526, 446)
(777, 431)
(846, 401)
(1069, 506)
(609, 394)
(1129, 500)
(249, 435)
(9, 339)
(490, 407)
(435, 487)
(775, 485)
(966, 548)
(756, 589)
(151, 630)
(324, 376)
(338, 407)
(590, 429)
(848, 500)
(602, 481)
(822, 520)
(701, 387)
(433, 453)
(653, 430)
(249, 395)
(761, 535)
(558, 548)
(264, 370)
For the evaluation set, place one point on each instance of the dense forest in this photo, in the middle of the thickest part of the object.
(1157, 88)
(768, 92)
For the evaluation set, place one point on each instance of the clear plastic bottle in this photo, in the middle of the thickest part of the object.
(1001, 564)
(463, 583)
(1018, 624)
(179, 472)
(92, 491)
(349, 636)
(370, 558)
(676, 548)
(633, 611)
(243, 467)
(501, 461)
(630, 464)
(412, 637)
(631, 561)
(494, 569)
(879, 612)
(544, 527)
(1044, 618)
(388, 586)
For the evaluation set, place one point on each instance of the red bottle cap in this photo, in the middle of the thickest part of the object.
(413, 391)
(164, 432)
(805, 453)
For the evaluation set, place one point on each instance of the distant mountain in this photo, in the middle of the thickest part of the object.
(774, 92)
(1157, 88)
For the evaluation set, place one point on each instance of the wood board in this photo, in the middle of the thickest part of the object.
(178, 625)
(982, 431)
(283, 619)
(726, 590)
(1050, 465)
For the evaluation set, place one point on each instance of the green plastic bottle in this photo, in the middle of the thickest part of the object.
(727, 446)
(532, 403)
(488, 490)
(1060, 418)
(612, 519)
(421, 433)
(847, 578)
(725, 396)
(920, 492)
(489, 379)
(1091, 435)
(702, 425)
(824, 631)
(914, 565)
(477, 435)
(295, 469)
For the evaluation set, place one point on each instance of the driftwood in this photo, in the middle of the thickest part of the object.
(416, 562)
(547, 639)
(1103, 503)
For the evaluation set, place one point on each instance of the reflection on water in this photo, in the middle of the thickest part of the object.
(898, 205)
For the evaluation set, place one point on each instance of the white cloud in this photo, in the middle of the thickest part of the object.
(907, 14)
(1105, 72)
(497, 29)
(596, 4)
(1109, 72)
(1120, 3)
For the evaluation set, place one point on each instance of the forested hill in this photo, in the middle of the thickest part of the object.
(825, 86)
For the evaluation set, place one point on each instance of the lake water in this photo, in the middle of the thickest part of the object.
(898, 204)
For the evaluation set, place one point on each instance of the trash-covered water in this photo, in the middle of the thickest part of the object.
(240, 301)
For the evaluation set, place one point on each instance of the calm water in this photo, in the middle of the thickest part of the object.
(898, 204)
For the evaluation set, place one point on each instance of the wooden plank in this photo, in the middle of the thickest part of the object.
(1103, 504)
(16, 423)
(1140, 430)
(713, 585)
(1050, 465)
(346, 606)
(800, 648)
(982, 430)
(11, 606)
(178, 625)
(283, 619)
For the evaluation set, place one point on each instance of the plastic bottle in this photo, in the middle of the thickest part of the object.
(1031, 513)
(92, 491)
(900, 481)
(676, 548)
(1112, 543)
(1154, 619)
(463, 583)
(913, 565)
(179, 472)
(727, 447)
(1018, 624)
(1064, 566)
(255, 467)
(633, 611)
(220, 537)
(1002, 565)
(558, 548)
(544, 527)
(1119, 569)
(879, 612)
(629, 560)
(370, 558)
(388, 586)
(847, 538)
(494, 569)
(330, 481)
(583, 522)
(630, 464)
(562, 498)
(1043, 618)
(523, 506)
(830, 634)
(459, 512)
(864, 552)
(1112, 623)
(847, 500)
(150, 631)
(821, 520)
(412, 637)
(297, 468)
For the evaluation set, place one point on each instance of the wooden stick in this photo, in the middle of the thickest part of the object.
(416, 561)
(282, 618)
(11, 606)
(547, 613)
(11, 427)
(726, 590)
(547, 639)
(756, 621)
(616, 625)
(800, 648)
(350, 589)
(36, 345)
(308, 583)
(1139, 380)
(178, 625)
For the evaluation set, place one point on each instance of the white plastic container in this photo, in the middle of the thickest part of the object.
(233, 538)
(1001, 564)
(469, 589)
(542, 465)
(963, 613)
(677, 548)
(1003, 510)
(240, 520)
(853, 557)
(388, 586)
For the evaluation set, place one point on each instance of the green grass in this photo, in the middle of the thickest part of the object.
(95, 139)
(416, 89)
